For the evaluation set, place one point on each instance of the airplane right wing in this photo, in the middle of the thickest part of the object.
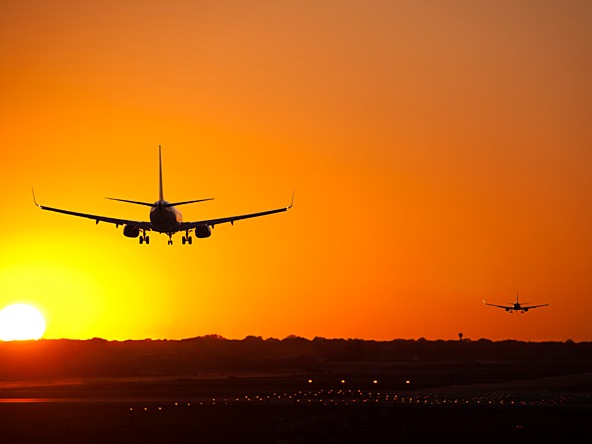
(528, 307)
(211, 222)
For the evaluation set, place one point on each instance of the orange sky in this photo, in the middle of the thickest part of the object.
(441, 154)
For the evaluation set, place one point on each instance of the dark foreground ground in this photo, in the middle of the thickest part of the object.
(213, 390)
(294, 408)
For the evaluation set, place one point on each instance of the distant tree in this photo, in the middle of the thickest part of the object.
(214, 336)
(460, 336)
(293, 337)
(251, 338)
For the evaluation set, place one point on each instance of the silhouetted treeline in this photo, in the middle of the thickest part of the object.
(98, 357)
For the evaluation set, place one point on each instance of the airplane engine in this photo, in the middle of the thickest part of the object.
(203, 231)
(131, 231)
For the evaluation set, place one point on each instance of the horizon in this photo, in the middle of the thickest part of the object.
(214, 336)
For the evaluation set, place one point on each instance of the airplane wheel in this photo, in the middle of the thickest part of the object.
(141, 240)
(190, 240)
(147, 239)
(183, 240)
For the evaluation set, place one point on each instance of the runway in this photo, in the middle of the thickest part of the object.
(288, 409)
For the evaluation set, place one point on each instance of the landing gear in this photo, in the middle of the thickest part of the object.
(187, 239)
(144, 238)
(170, 242)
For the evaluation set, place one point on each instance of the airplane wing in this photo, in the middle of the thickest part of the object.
(211, 222)
(528, 307)
(143, 225)
(505, 307)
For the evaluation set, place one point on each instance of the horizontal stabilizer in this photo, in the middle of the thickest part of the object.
(174, 204)
(148, 204)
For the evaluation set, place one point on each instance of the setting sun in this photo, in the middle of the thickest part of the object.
(21, 322)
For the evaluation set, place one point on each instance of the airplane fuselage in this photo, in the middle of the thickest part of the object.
(164, 218)
(517, 307)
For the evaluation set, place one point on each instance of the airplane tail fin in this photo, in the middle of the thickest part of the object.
(520, 302)
(160, 193)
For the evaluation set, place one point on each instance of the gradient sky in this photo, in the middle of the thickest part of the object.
(441, 154)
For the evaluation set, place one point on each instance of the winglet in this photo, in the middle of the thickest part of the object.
(34, 200)
(291, 203)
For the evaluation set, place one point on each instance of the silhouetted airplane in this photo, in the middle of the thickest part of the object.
(164, 217)
(516, 306)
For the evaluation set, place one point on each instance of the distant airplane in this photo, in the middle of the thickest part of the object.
(516, 306)
(164, 217)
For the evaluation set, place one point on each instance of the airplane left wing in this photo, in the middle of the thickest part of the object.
(111, 220)
(211, 222)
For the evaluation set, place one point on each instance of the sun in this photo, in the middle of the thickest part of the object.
(20, 322)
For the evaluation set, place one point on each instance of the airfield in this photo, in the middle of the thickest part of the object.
(334, 400)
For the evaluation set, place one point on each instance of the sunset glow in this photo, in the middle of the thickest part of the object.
(440, 153)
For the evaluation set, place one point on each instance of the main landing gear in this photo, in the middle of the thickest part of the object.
(144, 238)
(186, 239)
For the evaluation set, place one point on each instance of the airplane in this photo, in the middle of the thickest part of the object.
(516, 306)
(164, 217)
